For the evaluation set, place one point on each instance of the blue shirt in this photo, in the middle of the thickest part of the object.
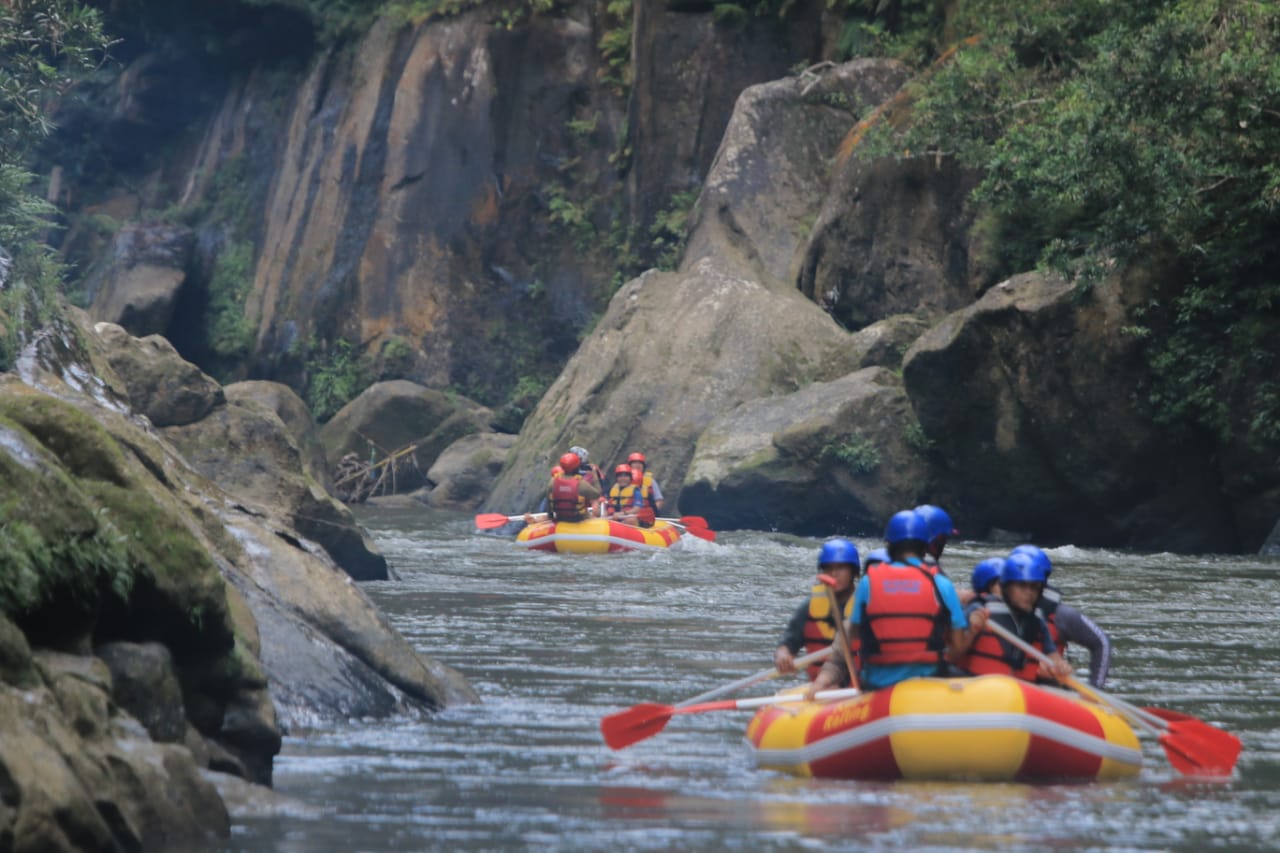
(874, 676)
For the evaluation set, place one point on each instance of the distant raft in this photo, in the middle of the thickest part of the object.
(596, 536)
(991, 728)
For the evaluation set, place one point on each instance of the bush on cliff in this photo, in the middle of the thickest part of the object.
(1117, 132)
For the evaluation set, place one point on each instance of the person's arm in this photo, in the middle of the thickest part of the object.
(960, 641)
(962, 631)
(792, 640)
(1077, 628)
(655, 492)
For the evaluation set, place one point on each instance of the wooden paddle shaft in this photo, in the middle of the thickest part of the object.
(800, 663)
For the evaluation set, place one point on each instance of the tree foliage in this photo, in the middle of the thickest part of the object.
(1112, 132)
(45, 46)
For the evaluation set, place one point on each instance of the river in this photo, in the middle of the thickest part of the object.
(555, 642)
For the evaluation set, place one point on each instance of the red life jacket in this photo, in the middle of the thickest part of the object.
(992, 655)
(904, 620)
(566, 503)
(820, 629)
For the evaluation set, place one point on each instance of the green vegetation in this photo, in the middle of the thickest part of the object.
(334, 378)
(45, 47)
(670, 229)
(916, 438)
(856, 451)
(615, 46)
(1120, 133)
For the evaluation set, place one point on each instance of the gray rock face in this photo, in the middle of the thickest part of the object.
(672, 353)
(1031, 396)
(246, 449)
(295, 416)
(161, 384)
(831, 457)
(136, 286)
(893, 237)
(390, 416)
(464, 473)
(144, 683)
(758, 203)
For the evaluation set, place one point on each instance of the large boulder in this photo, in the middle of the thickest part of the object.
(832, 457)
(464, 473)
(758, 204)
(296, 417)
(137, 284)
(1034, 398)
(160, 384)
(675, 351)
(893, 237)
(247, 450)
(389, 418)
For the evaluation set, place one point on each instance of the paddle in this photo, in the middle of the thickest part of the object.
(644, 721)
(688, 521)
(800, 663)
(693, 525)
(1193, 747)
(490, 520)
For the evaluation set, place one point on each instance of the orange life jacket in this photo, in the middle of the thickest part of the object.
(820, 628)
(566, 503)
(993, 655)
(904, 620)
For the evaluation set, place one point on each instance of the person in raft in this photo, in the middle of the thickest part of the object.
(906, 616)
(875, 558)
(1068, 625)
(811, 626)
(1021, 583)
(649, 487)
(569, 496)
(940, 528)
(626, 503)
(589, 470)
(985, 581)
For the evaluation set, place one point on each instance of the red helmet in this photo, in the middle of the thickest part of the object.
(556, 471)
(636, 457)
(570, 462)
(623, 469)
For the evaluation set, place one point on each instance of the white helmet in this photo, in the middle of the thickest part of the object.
(582, 454)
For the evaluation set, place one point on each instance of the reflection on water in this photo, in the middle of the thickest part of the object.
(555, 642)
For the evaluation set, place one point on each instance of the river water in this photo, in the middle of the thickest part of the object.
(555, 642)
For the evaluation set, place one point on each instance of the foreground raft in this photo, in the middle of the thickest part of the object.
(596, 536)
(991, 728)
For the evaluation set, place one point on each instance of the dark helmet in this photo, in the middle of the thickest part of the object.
(937, 520)
(624, 468)
(1041, 558)
(570, 462)
(1022, 568)
(839, 551)
(906, 526)
(879, 555)
(986, 573)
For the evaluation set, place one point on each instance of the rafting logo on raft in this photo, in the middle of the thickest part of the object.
(849, 713)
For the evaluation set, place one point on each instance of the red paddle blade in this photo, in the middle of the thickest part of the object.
(701, 533)
(1195, 748)
(635, 724)
(490, 520)
(693, 521)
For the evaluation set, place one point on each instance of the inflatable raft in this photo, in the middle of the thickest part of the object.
(991, 728)
(596, 536)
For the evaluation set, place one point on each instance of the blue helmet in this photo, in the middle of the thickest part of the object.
(986, 573)
(906, 526)
(1022, 568)
(879, 555)
(839, 551)
(1041, 558)
(937, 521)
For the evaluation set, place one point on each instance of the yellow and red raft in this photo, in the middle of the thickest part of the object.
(596, 536)
(991, 728)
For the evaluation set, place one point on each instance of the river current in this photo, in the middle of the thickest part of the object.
(555, 642)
